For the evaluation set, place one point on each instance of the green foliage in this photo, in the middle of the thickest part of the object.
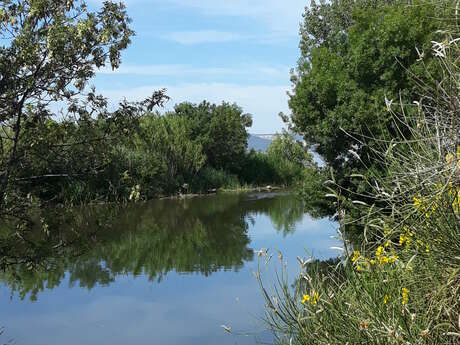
(88, 153)
(164, 141)
(398, 283)
(289, 158)
(258, 169)
(220, 130)
(210, 178)
(357, 57)
(313, 191)
(284, 163)
(51, 51)
(354, 55)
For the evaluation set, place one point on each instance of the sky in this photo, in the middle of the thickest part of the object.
(217, 50)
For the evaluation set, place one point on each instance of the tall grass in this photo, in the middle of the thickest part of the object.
(400, 284)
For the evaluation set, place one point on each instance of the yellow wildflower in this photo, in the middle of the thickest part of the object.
(405, 296)
(315, 298)
(392, 259)
(458, 156)
(385, 299)
(387, 244)
(305, 299)
(379, 251)
(373, 262)
(356, 255)
(384, 260)
(406, 239)
(402, 239)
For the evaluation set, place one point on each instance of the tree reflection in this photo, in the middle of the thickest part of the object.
(93, 245)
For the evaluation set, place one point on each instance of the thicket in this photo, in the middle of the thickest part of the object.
(194, 148)
(285, 163)
(354, 55)
(399, 282)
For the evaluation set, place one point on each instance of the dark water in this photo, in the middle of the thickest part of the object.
(165, 272)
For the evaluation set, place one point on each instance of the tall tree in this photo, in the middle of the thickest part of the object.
(221, 131)
(354, 54)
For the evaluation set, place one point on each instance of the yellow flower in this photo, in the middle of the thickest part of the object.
(385, 299)
(405, 296)
(387, 244)
(392, 259)
(406, 239)
(305, 299)
(383, 260)
(315, 298)
(402, 239)
(356, 255)
(373, 262)
(458, 156)
(379, 251)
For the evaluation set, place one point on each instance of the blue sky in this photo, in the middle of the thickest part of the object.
(218, 50)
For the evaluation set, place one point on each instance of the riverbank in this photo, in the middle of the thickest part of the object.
(398, 278)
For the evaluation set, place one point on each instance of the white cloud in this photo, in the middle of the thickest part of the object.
(280, 16)
(202, 36)
(262, 101)
(178, 70)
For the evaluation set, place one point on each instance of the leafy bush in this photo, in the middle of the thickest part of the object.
(284, 163)
(211, 178)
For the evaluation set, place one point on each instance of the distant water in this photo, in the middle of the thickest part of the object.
(165, 272)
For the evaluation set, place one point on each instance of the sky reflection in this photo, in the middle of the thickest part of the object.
(186, 306)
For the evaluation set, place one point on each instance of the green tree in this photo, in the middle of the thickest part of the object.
(164, 140)
(50, 51)
(354, 54)
(220, 130)
(356, 58)
(289, 158)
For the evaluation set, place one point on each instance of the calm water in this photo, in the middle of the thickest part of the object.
(166, 272)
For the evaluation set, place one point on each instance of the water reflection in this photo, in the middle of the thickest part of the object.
(201, 235)
(165, 272)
